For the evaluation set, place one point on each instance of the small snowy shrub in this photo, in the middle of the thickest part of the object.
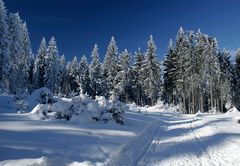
(83, 106)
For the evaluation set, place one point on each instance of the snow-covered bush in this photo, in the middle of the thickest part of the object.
(84, 107)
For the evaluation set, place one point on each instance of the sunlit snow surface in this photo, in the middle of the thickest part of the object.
(151, 136)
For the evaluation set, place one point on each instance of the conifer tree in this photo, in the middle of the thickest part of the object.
(84, 76)
(16, 46)
(4, 47)
(40, 65)
(52, 67)
(73, 75)
(122, 88)
(151, 73)
(137, 79)
(95, 72)
(110, 67)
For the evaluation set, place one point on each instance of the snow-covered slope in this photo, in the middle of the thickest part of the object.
(151, 136)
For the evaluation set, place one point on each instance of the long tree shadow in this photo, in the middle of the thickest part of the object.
(192, 147)
(171, 143)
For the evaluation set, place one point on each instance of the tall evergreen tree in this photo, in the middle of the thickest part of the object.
(63, 79)
(84, 76)
(4, 47)
(26, 57)
(52, 68)
(236, 86)
(110, 67)
(168, 76)
(73, 75)
(137, 79)
(16, 46)
(95, 73)
(40, 65)
(225, 78)
(151, 73)
(122, 88)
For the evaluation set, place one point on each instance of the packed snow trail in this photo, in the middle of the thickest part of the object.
(185, 140)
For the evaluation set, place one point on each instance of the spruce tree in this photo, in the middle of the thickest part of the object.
(95, 73)
(169, 73)
(122, 88)
(236, 95)
(151, 73)
(52, 68)
(73, 75)
(137, 79)
(84, 76)
(16, 46)
(40, 65)
(26, 57)
(4, 47)
(110, 67)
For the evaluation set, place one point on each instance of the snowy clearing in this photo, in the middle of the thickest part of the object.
(151, 136)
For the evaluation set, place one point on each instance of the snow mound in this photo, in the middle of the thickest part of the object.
(40, 96)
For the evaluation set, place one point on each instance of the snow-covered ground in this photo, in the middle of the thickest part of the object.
(151, 136)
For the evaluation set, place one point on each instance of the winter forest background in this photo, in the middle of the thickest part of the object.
(195, 73)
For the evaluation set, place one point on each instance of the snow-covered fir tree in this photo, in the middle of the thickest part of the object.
(84, 76)
(225, 78)
(63, 77)
(169, 74)
(95, 73)
(52, 67)
(40, 65)
(137, 85)
(236, 86)
(26, 57)
(16, 77)
(73, 75)
(151, 73)
(122, 88)
(110, 67)
(4, 47)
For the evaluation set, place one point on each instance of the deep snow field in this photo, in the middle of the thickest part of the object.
(150, 136)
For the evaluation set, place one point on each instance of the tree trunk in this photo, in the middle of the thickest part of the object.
(201, 102)
(193, 101)
(211, 93)
(189, 102)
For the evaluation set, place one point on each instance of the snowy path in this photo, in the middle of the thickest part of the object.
(152, 137)
(188, 140)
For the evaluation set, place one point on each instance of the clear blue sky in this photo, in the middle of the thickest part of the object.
(78, 24)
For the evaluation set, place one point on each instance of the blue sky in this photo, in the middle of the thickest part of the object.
(78, 24)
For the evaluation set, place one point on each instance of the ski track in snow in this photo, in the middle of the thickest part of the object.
(189, 141)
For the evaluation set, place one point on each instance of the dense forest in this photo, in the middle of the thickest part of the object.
(195, 73)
